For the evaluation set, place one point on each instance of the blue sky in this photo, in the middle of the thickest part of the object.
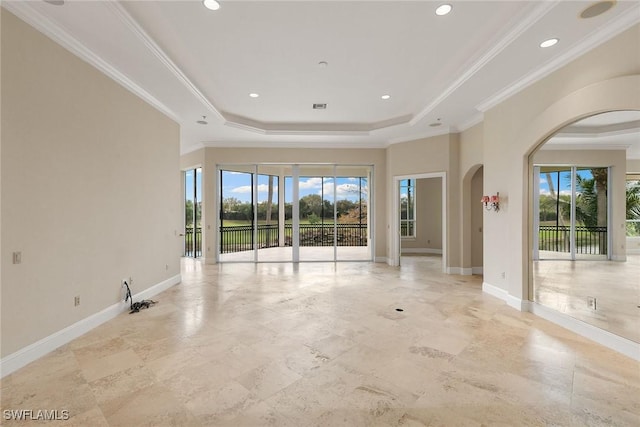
(188, 184)
(565, 183)
(238, 185)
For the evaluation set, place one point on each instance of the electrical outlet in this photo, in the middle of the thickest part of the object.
(503, 275)
(17, 257)
(76, 301)
(166, 266)
(592, 303)
(125, 281)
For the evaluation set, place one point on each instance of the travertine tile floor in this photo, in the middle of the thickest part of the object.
(323, 344)
(565, 285)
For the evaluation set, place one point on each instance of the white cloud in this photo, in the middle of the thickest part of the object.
(343, 191)
(242, 190)
(310, 183)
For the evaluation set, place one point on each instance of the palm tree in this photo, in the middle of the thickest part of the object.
(591, 203)
(633, 206)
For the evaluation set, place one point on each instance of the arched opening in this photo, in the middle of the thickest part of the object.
(472, 221)
(585, 220)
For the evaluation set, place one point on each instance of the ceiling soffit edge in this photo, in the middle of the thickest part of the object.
(59, 35)
(191, 148)
(476, 119)
(417, 137)
(272, 128)
(539, 11)
(596, 38)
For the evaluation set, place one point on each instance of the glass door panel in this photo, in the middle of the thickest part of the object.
(554, 210)
(270, 228)
(352, 213)
(316, 213)
(572, 212)
(591, 213)
(236, 223)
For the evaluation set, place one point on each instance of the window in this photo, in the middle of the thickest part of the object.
(633, 206)
(408, 208)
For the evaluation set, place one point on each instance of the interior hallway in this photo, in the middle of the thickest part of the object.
(323, 344)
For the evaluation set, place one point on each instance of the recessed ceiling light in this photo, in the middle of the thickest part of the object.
(597, 9)
(211, 4)
(323, 64)
(548, 43)
(254, 95)
(203, 121)
(435, 124)
(385, 97)
(319, 106)
(443, 9)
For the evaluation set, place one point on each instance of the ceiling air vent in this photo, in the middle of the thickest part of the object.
(319, 106)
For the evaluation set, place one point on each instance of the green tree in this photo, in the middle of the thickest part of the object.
(633, 207)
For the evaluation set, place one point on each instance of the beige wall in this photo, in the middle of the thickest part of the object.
(192, 160)
(438, 154)
(222, 156)
(428, 217)
(90, 189)
(633, 166)
(471, 160)
(604, 79)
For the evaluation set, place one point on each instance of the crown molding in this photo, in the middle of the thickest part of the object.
(583, 146)
(290, 144)
(596, 38)
(59, 35)
(540, 10)
(157, 51)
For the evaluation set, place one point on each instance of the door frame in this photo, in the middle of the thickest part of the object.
(395, 216)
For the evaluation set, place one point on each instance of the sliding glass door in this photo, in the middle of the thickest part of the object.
(571, 217)
(276, 213)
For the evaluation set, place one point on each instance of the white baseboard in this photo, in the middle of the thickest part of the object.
(477, 270)
(620, 258)
(383, 259)
(495, 291)
(622, 345)
(421, 251)
(513, 302)
(615, 342)
(462, 271)
(32, 352)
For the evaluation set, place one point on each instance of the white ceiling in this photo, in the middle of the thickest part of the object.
(190, 62)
